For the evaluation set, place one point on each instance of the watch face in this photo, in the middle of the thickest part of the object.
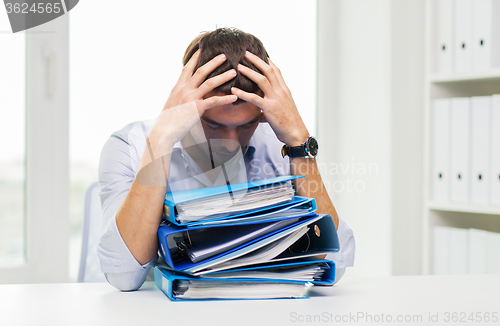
(312, 147)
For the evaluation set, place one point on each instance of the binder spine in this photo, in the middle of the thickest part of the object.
(313, 206)
(164, 284)
(164, 250)
(169, 211)
(164, 281)
(328, 277)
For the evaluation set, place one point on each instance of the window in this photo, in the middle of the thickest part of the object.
(12, 143)
(37, 120)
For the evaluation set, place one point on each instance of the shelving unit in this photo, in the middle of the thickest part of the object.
(445, 86)
(493, 74)
(474, 209)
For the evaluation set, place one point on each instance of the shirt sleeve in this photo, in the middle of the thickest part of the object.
(116, 174)
(345, 256)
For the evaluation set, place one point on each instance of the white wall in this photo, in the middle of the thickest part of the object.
(361, 76)
(407, 85)
(124, 66)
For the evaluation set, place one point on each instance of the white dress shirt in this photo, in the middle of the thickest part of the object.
(118, 165)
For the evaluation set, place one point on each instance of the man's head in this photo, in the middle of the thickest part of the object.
(230, 126)
(233, 43)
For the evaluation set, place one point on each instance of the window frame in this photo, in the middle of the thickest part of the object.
(46, 179)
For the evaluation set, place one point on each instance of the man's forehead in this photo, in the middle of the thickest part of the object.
(233, 115)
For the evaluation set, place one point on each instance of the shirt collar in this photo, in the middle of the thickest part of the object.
(250, 150)
(234, 167)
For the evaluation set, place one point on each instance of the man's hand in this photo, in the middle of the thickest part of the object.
(190, 87)
(186, 103)
(277, 104)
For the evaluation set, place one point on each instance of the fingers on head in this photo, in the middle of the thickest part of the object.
(217, 100)
(203, 71)
(214, 82)
(248, 97)
(193, 60)
(279, 76)
(259, 79)
(187, 70)
(257, 61)
(266, 69)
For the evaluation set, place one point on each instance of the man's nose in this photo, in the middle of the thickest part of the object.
(230, 141)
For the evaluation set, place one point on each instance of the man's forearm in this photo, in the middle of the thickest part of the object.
(138, 220)
(139, 216)
(312, 185)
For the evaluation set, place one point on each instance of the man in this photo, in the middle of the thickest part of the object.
(226, 120)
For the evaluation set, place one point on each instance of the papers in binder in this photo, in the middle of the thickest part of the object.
(204, 289)
(205, 243)
(262, 254)
(297, 207)
(220, 202)
(234, 202)
(305, 273)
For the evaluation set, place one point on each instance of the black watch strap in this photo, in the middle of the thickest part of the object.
(307, 149)
(296, 151)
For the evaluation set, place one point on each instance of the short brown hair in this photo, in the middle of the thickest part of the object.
(233, 43)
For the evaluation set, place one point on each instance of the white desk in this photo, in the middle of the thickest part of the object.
(100, 304)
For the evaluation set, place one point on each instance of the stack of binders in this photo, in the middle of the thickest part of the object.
(254, 240)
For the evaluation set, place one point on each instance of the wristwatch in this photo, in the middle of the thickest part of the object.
(308, 149)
